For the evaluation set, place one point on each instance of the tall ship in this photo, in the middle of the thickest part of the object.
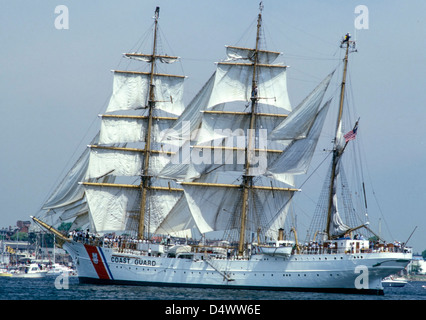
(200, 195)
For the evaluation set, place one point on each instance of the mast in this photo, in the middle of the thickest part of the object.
(247, 178)
(146, 179)
(336, 152)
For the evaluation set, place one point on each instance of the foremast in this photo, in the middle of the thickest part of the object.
(118, 207)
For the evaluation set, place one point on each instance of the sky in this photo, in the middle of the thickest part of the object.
(56, 79)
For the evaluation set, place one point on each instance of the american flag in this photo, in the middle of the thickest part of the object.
(351, 135)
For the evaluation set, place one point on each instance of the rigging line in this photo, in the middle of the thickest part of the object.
(143, 38)
(171, 49)
(246, 33)
(375, 197)
(266, 31)
(306, 48)
(136, 47)
(315, 170)
(316, 37)
(301, 57)
(255, 218)
(199, 59)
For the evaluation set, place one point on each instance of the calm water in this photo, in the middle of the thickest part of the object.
(46, 289)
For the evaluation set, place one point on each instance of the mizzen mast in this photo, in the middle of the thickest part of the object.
(337, 152)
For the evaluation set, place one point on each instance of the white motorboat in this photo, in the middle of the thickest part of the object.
(32, 270)
(392, 281)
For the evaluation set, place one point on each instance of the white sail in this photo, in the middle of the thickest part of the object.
(73, 211)
(130, 129)
(190, 119)
(299, 122)
(131, 89)
(122, 162)
(179, 221)
(298, 155)
(116, 208)
(233, 82)
(113, 209)
(69, 191)
(226, 125)
(337, 226)
(220, 146)
(105, 161)
(263, 56)
(217, 208)
(148, 57)
(169, 214)
(81, 222)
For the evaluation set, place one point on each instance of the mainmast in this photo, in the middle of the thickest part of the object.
(247, 178)
(337, 153)
(145, 178)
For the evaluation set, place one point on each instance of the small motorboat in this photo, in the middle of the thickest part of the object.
(32, 270)
(394, 282)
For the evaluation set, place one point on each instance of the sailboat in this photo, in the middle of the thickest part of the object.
(211, 185)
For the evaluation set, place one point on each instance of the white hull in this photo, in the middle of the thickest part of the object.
(40, 274)
(359, 272)
(29, 271)
(390, 282)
